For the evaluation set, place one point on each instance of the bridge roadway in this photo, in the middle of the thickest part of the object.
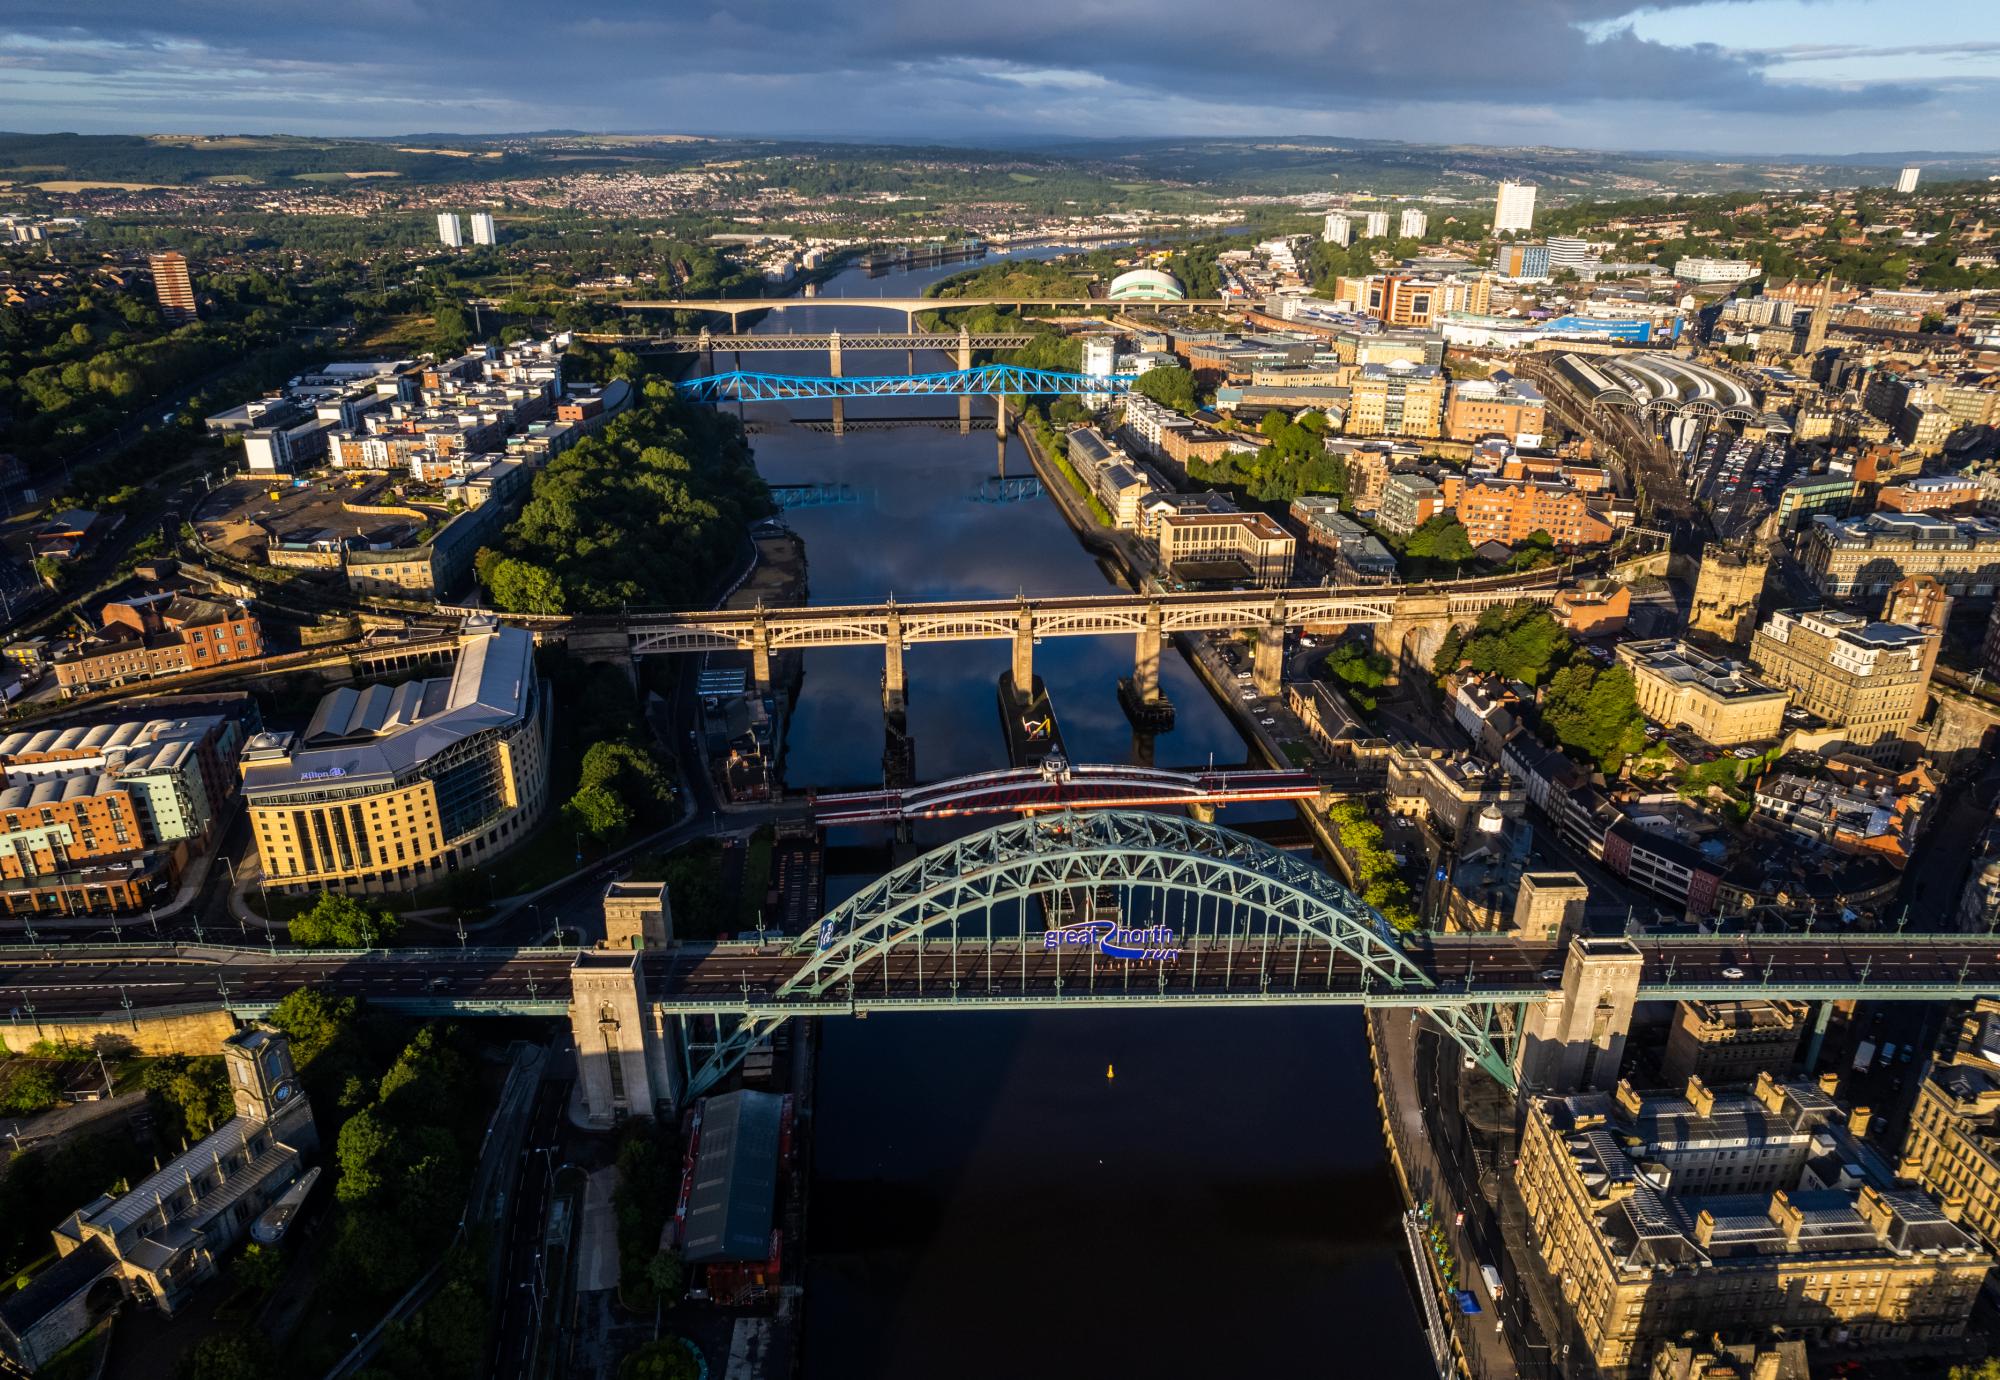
(737, 978)
(736, 307)
(824, 340)
(1024, 790)
(1075, 615)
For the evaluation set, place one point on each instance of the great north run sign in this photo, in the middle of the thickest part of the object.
(1154, 944)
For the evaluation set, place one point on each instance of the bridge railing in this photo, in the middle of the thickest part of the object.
(230, 953)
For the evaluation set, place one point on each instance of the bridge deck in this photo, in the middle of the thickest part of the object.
(65, 982)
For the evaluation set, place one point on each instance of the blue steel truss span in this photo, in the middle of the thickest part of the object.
(991, 380)
(1181, 882)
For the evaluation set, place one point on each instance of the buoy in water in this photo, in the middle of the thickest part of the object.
(1110, 1072)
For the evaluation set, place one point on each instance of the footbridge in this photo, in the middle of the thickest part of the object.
(1085, 911)
(1060, 785)
(987, 381)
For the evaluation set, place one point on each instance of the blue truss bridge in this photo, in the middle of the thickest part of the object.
(988, 381)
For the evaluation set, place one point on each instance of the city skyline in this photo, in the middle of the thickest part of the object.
(1728, 78)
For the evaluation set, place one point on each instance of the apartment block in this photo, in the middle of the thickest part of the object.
(1207, 546)
(159, 635)
(1397, 400)
(1507, 407)
(1735, 1214)
(1509, 510)
(1953, 1144)
(1730, 1042)
(1861, 558)
(1867, 677)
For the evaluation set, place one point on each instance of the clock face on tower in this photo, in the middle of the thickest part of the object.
(284, 1091)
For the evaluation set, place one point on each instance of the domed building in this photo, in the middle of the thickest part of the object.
(1146, 285)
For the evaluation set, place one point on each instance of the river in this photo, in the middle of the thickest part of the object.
(986, 1200)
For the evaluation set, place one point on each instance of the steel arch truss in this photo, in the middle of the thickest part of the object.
(1259, 893)
(991, 380)
(1488, 1039)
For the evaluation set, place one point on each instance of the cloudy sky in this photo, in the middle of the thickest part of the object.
(1828, 76)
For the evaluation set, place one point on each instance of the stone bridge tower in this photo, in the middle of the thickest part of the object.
(624, 1048)
(1576, 1039)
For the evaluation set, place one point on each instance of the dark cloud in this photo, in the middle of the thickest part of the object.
(1525, 70)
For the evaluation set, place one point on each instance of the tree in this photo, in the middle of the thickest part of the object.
(1450, 653)
(597, 811)
(340, 922)
(1441, 538)
(1359, 671)
(1988, 1369)
(663, 1273)
(1520, 641)
(313, 1020)
(666, 1359)
(1168, 387)
(194, 1093)
(1595, 713)
(243, 1354)
(523, 587)
(257, 1269)
(32, 1090)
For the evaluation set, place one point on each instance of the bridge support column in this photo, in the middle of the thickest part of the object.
(1575, 1039)
(1024, 652)
(760, 656)
(964, 364)
(1146, 664)
(893, 699)
(1818, 1037)
(625, 1062)
(1201, 812)
(1267, 663)
(833, 371)
(1000, 418)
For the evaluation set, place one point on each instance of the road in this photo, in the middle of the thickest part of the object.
(525, 1287)
(703, 977)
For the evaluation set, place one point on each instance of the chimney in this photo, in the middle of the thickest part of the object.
(1786, 1217)
(1875, 1210)
(1857, 1122)
(1769, 1093)
(1700, 1096)
(1829, 1083)
(1627, 1097)
(1704, 1228)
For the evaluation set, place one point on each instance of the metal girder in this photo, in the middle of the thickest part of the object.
(1265, 891)
(1476, 1028)
(991, 380)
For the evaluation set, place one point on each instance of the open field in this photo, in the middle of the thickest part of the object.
(79, 186)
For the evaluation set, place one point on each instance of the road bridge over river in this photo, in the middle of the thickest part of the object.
(1072, 911)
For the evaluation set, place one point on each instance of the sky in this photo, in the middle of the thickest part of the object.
(1731, 76)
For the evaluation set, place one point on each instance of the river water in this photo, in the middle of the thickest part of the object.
(986, 1201)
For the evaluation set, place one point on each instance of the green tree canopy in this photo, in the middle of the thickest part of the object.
(1440, 538)
(1168, 387)
(337, 921)
(1520, 641)
(1595, 713)
(1358, 670)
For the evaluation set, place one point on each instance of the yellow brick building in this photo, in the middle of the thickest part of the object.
(393, 787)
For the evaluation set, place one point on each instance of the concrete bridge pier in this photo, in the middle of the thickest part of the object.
(1000, 421)
(1024, 647)
(964, 363)
(894, 701)
(1267, 662)
(1146, 664)
(760, 655)
(833, 371)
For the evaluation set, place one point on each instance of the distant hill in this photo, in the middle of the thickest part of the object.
(1218, 166)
